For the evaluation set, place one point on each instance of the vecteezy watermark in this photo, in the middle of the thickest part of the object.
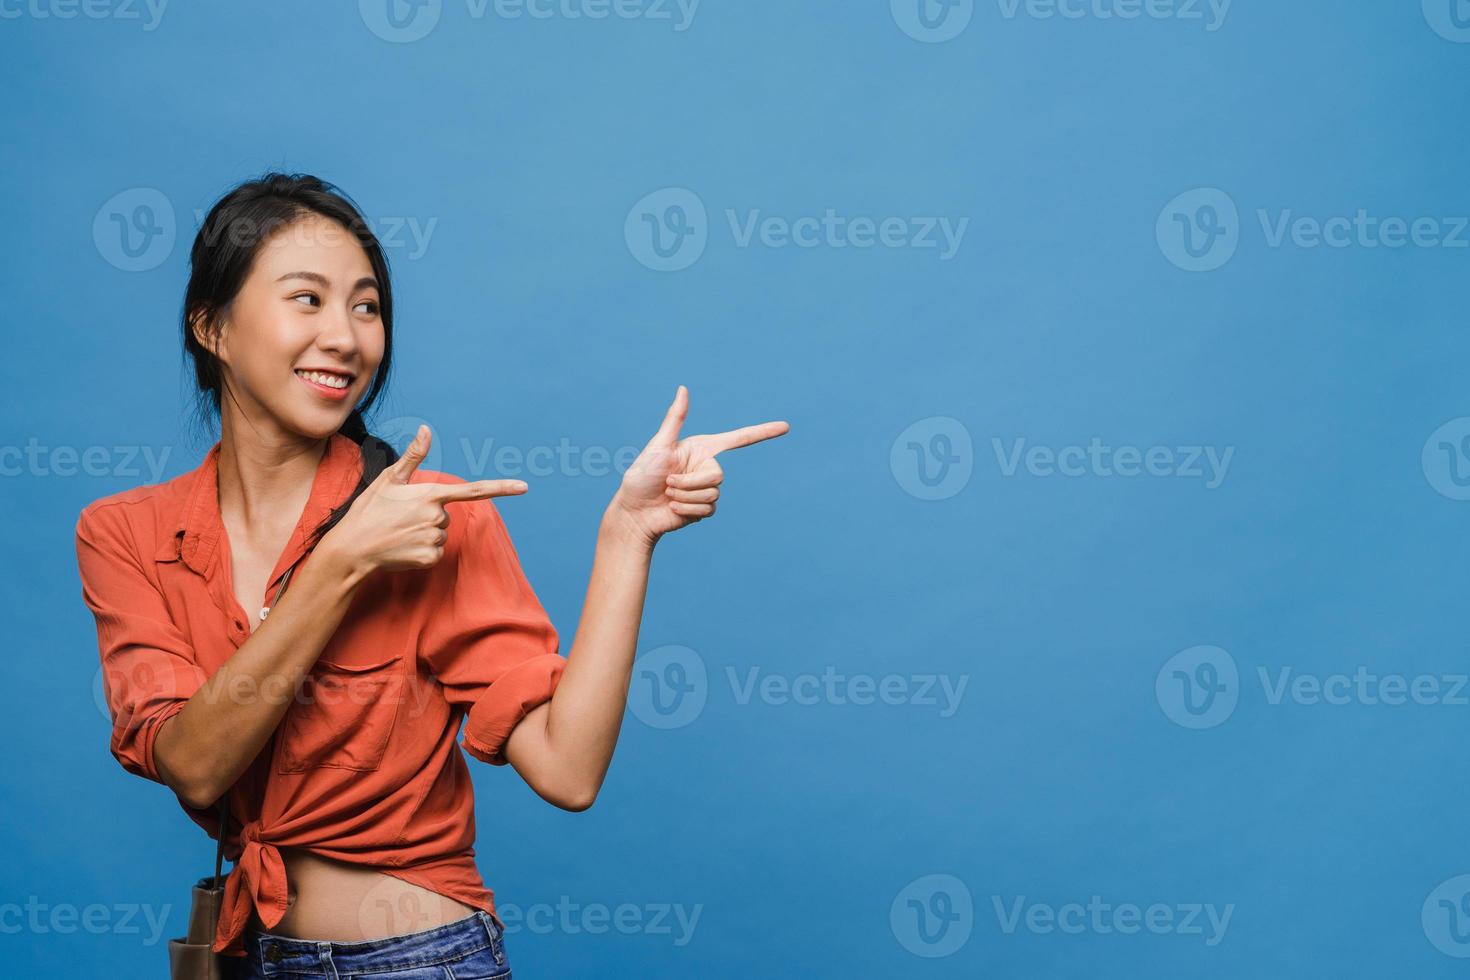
(1098, 459)
(1200, 230)
(129, 691)
(491, 459)
(148, 12)
(36, 917)
(932, 21)
(1450, 19)
(1210, 13)
(936, 21)
(933, 458)
(1363, 687)
(1200, 688)
(569, 918)
(932, 916)
(668, 230)
(670, 688)
(1446, 917)
(134, 229)
(404, 21)
(1446, 459)
(830, 687)
(392, 233)
(1097, 917)
(35, 460)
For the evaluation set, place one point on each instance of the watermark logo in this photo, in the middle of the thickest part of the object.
(667, 230)
(669, 688)
(1446, 917)
(1449, 18)
(1198, 687)
(932, 916)
(90, 9)
(1446, 459)
(1209, 464)
(1211, 13)
(932, 21)
(674, 920)
(38, 918)
(37, 460)
(135, 229)
(400, 21)
(1102, 918)
(1199, 230)
(389, 231)
(942, 691)
(933, 458)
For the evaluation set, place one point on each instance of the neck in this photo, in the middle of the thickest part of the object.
(265, 478)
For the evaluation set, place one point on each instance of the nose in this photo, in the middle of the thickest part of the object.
(337, 334)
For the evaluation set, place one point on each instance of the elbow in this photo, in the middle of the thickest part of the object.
(197, 800)
(195, 789)
(579, 802)
(201, 794)
(572, 798)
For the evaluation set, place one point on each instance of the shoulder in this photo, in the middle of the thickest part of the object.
(142, 516)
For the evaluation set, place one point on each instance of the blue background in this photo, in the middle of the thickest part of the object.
(801, 831)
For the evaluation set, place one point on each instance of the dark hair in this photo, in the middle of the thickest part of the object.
(223, 253)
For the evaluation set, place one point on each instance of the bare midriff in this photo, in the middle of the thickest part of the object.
(339, 902)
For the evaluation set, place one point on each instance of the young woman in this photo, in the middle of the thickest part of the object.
(327, 720)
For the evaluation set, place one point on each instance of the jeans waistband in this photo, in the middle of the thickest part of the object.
(280, 955)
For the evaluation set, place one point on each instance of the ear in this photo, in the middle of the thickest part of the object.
(208, 331)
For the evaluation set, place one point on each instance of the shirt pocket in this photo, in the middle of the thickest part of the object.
(343, 716)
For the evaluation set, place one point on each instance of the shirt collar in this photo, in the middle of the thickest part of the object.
(199, 527)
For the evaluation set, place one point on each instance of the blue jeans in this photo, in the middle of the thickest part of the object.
(472, 948)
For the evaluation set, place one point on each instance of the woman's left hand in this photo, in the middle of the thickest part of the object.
(675, 482)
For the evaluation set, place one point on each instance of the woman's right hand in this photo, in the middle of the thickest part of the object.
(395, 524)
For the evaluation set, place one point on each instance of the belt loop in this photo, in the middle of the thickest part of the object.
(324, 951)
(497, 946)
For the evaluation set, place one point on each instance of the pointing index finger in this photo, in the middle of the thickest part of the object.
(476, 490)
(747, 435)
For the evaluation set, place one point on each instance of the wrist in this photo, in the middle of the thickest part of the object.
(618, 527)
(339, 565)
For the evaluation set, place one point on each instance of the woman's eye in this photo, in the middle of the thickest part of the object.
(307, 296)
(372, 306)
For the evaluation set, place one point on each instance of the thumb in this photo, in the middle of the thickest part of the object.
(668, 432)
(412, 456)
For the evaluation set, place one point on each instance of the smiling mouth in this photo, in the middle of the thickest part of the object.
(326, 379)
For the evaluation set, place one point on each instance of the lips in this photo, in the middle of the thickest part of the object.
(333, 385)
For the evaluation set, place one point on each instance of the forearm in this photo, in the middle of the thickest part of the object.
(584, 716)
(203, 749)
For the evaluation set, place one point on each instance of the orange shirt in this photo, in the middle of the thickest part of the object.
(363, 766)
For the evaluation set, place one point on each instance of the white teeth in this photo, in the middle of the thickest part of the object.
(330, 380)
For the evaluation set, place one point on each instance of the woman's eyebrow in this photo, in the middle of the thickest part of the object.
(317, 277)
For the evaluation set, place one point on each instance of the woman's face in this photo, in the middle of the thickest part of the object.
(308, 305)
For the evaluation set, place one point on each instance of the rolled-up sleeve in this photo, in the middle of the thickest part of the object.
(486, 637)
(148, 667)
